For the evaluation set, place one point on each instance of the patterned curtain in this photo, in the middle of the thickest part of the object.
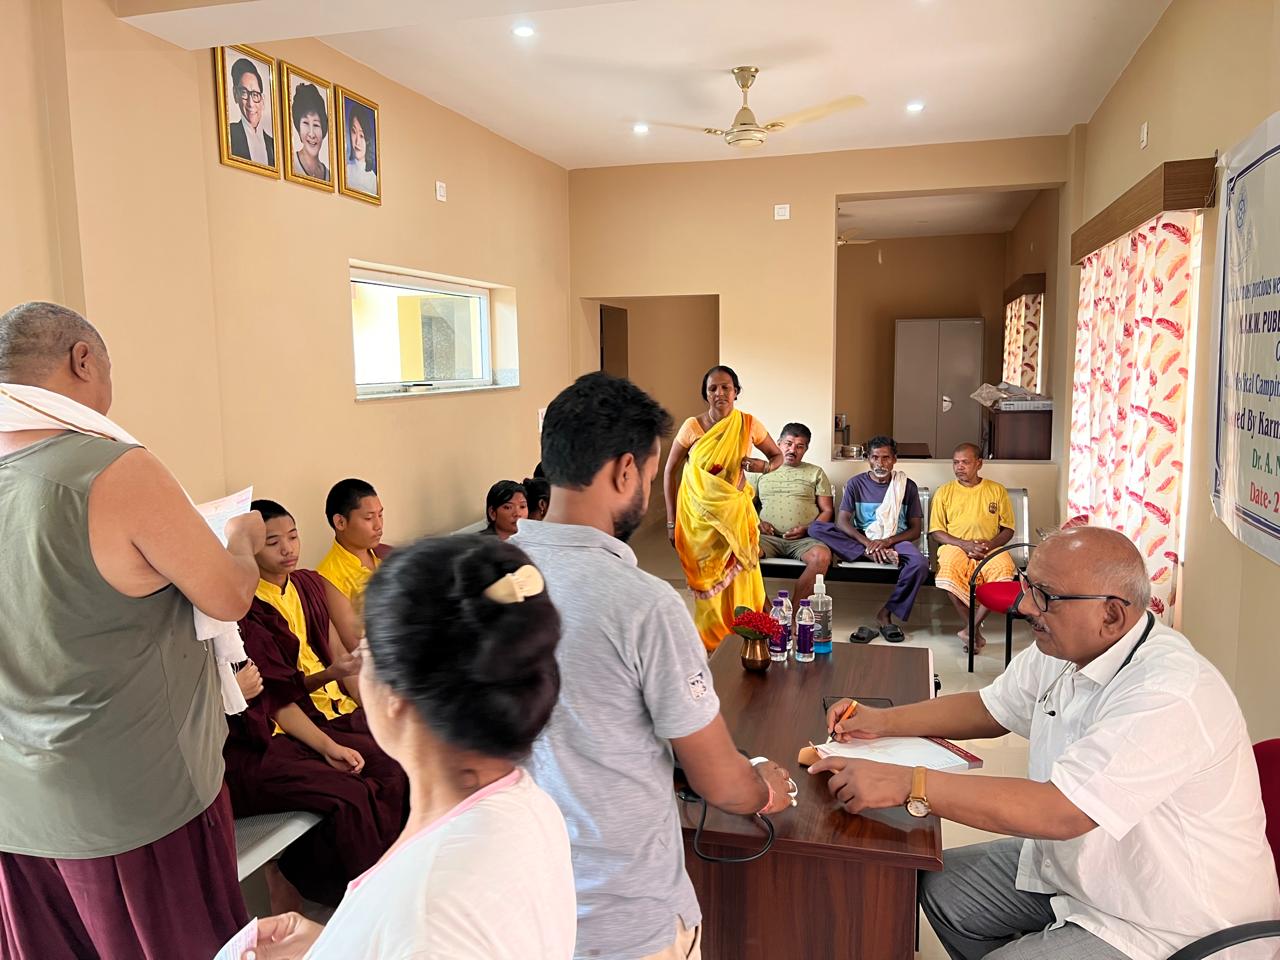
(1022, 341)
(1129, 397)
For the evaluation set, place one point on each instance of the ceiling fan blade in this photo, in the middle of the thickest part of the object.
(811, 114)
(689, 127)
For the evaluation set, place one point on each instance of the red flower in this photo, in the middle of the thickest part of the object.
(753, 624)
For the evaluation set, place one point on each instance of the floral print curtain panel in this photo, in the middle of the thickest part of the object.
(1022, 341)
(1129, 396)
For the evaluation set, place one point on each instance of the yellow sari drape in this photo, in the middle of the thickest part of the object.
(717, 532)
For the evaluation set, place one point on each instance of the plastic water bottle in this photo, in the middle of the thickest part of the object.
(804, 633)
(779, 644)
(821, 604)
(785, 597)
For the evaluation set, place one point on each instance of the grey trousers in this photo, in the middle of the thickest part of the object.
(976, 911)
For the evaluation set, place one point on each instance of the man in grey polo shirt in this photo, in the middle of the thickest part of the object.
(634, 685)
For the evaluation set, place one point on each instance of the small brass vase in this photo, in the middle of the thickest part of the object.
(755, 654)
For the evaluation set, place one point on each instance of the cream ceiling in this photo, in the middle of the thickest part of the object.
(985, 69)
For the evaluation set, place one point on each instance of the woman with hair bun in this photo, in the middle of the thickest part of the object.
(459, 679)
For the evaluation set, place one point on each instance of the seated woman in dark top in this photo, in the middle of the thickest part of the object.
(503, 507)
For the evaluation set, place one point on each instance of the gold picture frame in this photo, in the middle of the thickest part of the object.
(295, 82)
(358, 177)
(235, 139)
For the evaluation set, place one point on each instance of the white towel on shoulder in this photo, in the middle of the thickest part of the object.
(885, 524)
(23, 407)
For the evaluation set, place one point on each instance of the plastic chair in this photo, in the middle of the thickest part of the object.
(1267, 754)
(1000, 597)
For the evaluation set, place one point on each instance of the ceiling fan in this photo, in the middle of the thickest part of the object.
(846, 238)
(746, 131)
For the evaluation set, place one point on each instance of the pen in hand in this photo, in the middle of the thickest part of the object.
(848, 712)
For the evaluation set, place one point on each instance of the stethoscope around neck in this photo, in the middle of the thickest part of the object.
(1043, 702)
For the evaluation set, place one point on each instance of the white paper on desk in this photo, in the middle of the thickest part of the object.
(246, 939)
(218, 512)
(904, 751)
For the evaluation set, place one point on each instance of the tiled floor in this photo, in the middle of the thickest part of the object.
(933, 624)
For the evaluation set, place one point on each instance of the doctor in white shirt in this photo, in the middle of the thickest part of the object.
(1142, 813)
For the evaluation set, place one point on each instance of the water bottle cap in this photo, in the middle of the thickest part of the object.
(804, 603)
(777, 603)
(783, 593)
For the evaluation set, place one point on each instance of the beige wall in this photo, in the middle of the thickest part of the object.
(28, 231)
(224, 295)
(920, 278)
(696, 228)
(1205, 77)
(671, 343)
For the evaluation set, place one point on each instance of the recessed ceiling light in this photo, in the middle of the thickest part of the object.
(522, 30)
(640, 128)
(915, 106)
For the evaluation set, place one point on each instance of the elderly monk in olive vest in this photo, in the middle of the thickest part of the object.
(116, 834)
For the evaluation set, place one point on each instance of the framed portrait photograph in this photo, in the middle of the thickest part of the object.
(306, 106)
(248, 123)
(359, 147)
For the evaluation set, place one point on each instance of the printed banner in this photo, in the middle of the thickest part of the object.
(1246, 313)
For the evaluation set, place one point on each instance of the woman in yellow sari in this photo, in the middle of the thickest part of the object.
(710, 516)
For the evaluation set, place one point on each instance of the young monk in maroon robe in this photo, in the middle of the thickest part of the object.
(304, 744)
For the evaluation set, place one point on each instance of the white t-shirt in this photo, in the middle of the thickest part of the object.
(491, 879)
(1157, 754)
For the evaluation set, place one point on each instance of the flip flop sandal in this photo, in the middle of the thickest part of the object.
(863, 635)
(893, 633)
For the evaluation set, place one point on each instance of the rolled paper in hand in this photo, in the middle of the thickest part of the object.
(808, 756)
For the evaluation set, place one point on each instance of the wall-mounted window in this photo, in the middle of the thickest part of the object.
(418, 334)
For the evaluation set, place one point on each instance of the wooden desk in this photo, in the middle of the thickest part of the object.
(833, 885)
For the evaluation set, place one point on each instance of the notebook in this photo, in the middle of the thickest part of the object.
(931, 752)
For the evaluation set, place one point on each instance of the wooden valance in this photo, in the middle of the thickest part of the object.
(1025, 284)
(1174, 185)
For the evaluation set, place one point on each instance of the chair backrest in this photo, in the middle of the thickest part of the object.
(1021, 514)
(1267, 753)
(925, 494)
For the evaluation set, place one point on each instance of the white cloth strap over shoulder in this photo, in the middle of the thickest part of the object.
(886, 522)
(24, 407)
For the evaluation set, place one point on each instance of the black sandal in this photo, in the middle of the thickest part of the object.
(893, 633)
(863, 635)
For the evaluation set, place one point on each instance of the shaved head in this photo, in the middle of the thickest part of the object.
(1102, 561)
(37, 338)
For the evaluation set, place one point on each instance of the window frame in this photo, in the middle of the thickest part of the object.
(425, 283)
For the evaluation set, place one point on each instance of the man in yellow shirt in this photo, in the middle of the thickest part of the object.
(355, 514)
(968, 518)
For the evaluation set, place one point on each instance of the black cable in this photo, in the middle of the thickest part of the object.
(690, 797)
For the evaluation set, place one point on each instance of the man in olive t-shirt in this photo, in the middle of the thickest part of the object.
(116, 832)
(789, 499)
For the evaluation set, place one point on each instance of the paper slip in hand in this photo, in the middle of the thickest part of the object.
(246, 939)
(931, 752)
(216, 513)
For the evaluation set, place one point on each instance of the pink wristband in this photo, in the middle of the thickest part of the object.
(768, 803)
(755, 762)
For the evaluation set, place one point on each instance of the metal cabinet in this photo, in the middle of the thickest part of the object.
(937, 365)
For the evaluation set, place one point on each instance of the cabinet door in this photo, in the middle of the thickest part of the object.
(959, 375)
(915, 382)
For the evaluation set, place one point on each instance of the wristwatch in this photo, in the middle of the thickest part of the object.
(917, 803)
